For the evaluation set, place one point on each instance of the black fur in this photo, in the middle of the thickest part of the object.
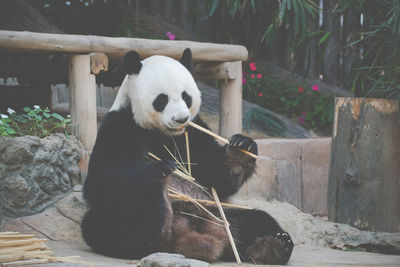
(186, 59)
(160, 102)
(131, 63)
(187, 98)
(130, 217)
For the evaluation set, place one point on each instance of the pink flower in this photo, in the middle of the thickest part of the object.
(304, 113)
(252, 66)
(301, 120)
(170, 36)
(301, 89)
(244, 80)
(260, 94)
(259, 76)
(315, 87)
(252, 76)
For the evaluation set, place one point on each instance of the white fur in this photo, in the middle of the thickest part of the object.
(159, 75)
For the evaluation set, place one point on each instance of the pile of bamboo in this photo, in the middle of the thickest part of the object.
(24, 249)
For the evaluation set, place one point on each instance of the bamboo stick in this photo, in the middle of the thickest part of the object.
(20, 242)
(15, 236)
(25, 262)
(177, 172)
(228, 231)
(198, 127)
(188, 153)
(209, 202)
(8, 250)
(24, 255)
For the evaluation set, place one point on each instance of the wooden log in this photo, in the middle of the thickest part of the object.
(116, 47)
(230, 120)
(98, 62)
(364, 175)
(82, 102)
(211, 71)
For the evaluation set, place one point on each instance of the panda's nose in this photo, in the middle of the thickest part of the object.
(180, 120)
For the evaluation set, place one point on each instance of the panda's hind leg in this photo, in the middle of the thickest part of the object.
(270, 249)
(198, 238)
(260, 238)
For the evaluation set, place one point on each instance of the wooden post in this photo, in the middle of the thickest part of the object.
(364, 175)
(230, 121)
(82, 104)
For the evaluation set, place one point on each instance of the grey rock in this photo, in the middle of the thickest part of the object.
(35, 173)
(170, 260)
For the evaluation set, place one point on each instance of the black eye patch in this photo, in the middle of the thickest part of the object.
(187, 98)
(160, 102)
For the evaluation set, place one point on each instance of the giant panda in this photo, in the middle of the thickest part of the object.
(129, 213)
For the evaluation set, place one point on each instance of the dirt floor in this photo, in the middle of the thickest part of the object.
(60, 225)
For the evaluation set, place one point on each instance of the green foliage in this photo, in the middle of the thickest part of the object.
(378, 72)
(301, 103)
(253, 22)
(35, 121)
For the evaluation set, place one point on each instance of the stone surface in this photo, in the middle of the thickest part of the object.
(35, 173)
(306, 229)
(170, 260)
(315, 174)
(293, 171)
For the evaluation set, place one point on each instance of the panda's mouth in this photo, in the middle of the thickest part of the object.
(176, 130)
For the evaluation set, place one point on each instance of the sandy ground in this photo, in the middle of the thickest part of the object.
(60, 225)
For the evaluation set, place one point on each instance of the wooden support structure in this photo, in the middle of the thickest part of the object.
(211, 71)
(82, 104)
(364, 175)
(116, 47)
(230, 121)
(91, 54)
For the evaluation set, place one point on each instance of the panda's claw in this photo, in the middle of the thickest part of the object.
(245, 143)
(167, 167)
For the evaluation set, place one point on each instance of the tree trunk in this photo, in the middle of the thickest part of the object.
(331, 64)
(364, 175)
(313, 58)
(351, 33)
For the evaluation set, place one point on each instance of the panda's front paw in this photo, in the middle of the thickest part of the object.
(244, 143)
(167, 167)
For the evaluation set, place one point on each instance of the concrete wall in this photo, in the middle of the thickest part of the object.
(294, 171)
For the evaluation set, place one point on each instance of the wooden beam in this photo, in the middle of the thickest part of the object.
(98, 62)
(82, 87)
(116, 47)
(211, 71)
(230, 120)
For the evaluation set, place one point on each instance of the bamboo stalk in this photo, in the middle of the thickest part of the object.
(25, 262)
(177, 172)
(208, 202)
(228, 231)
(189, 198)
(198, 127)
(9, 250)
(20, 242)
(188, 153)
(24, 255)
(15, 236)
(69, 259)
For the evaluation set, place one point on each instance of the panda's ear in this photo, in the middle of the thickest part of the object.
(131, 63)
(186, 59)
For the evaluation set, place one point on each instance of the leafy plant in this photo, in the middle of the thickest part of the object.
(35, 121)
(378, 72)
(299, 102)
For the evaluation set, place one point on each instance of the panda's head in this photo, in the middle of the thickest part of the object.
(162, 92)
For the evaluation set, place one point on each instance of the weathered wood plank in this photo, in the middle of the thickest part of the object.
(116, 47)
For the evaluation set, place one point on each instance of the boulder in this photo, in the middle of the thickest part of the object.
(36, 172)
